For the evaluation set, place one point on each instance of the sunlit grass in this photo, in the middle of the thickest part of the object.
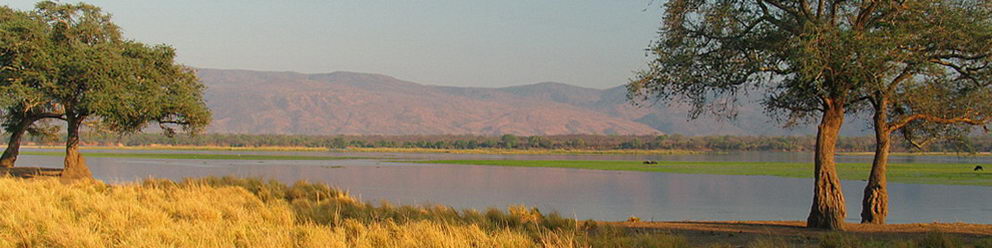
(920, 173)
(46, 213)
(234, 212)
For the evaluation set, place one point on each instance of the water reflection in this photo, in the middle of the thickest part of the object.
(727, 156)
(585, 194)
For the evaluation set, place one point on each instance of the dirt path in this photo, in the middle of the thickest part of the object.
(741, 233)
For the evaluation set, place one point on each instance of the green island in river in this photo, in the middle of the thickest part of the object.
(918, 173)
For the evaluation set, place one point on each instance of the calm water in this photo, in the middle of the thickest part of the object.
(585, 194)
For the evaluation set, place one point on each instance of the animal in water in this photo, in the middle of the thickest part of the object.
(650, 162)
(979, 168)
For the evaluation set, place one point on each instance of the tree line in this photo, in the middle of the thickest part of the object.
(964, 144)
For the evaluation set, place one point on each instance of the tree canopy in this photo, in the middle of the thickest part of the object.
(91, 73)
(24, 64)
(812, 60)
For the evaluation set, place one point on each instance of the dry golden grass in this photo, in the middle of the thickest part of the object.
(47, 213)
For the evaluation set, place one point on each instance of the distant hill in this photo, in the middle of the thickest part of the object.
(255, 102)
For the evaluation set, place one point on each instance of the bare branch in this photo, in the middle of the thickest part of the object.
(966, 119)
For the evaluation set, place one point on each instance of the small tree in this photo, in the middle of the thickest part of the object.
(122, 84)
(508, 141)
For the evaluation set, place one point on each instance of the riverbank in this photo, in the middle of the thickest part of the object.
(525, 151)
(916, 173)
(233, 212)
(794, 233)
(943, 154)
(389, 150)
(193, 156)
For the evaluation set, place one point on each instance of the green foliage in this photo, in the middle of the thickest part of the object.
(508, 141)
(956, 174)
(124, 84)
(70, 61)
(804, 52)
(25, 64)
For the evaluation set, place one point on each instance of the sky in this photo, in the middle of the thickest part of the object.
(474, 43)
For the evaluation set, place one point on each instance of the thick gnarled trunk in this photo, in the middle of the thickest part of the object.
(14, 145)
(828, 210)
(875, 205)
(75, 165)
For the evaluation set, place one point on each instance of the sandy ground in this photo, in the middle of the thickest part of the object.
(741, 233)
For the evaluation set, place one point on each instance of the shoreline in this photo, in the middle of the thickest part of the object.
(939, 154)
(795, 233)
(495, 151)
(909, 173)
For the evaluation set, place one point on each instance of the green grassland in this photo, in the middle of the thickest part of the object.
(917, 173)
(192, 156)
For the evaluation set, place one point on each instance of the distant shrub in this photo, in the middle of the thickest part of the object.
(633, 219)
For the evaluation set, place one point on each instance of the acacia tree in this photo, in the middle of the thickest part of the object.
(933, 77)
(935, 111)
(124, 85)
(810, 58)
(24, 63)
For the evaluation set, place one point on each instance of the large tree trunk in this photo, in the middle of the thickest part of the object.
(75, 165)
(828, 210)
(875, 205)
(14, 145)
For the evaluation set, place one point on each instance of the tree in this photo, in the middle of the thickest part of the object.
(932, 79)
(508, 141)
(24, 62)
(811, 59)
(936, 109)
(123, 85)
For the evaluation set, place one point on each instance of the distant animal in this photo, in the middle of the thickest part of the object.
(979, 168)
(650, 162)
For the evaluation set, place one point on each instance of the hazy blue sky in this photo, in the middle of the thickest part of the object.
(591, 43)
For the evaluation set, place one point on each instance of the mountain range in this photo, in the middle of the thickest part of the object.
(350, 103)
